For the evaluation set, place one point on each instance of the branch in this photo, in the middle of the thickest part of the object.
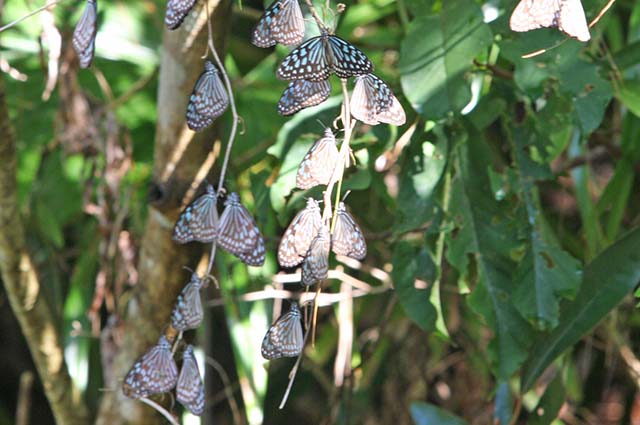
(36, 317)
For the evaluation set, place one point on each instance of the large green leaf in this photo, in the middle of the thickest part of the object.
(428, 414)
(486, 233)
(436, 55)
(607, 280)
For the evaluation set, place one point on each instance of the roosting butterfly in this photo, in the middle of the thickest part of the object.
(190, 389)
(318, 57)
(199, 221)
(318, 164)
(566, 15)
(315, 266)
(282, 22)
(209, 99)
(177, 10)
(155, 372)
(84, 35)
(298, 236)
(238, 232)
(187, 313)
(285, 337)
(347, 238)
(302, 94)
(373, 102)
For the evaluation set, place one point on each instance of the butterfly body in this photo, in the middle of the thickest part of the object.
(208, 100)
(297, 238)
(318, 57)
(302, 94)
(282, 22)
(155, 372)
(199, 220)
(319, 163)
(189, 388)
(566, 15)
(347, 238)
(187, 313)
(315, 266)
(84, 34)
(177, 10)
(285, 337)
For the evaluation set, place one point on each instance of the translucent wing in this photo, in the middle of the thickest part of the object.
(199, 221)
(285, 337)
(302, 94)
(155, 372)
(347, 238)
(346, 59)
(190, 389)
(370, 97)
(84, 35)
(208, 100)
(533, 14)
(238, 233)
(572, 20)
(255, 257)
(177, 10)
(187, 313)
(394, 115)
(298, 236)
(306, 62)
(282, 22)
(318, 164)
(315, 266)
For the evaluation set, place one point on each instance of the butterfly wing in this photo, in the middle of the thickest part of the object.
(255, 257)
(155, 372)
(285, 337)
(298, 236)
(199, 221)
(177, 10)
(209, 96)
(315, 266)
(318, 164)
(346, 59)
(190, 389)
(572, 20)
(302, 94)
(84, 35)
(187, 313)
(533, 14)
(287, 26)
(306, 62)
(238, 233)
(394, 115)
(347, 238)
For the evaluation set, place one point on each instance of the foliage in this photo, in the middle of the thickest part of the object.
(504, 212)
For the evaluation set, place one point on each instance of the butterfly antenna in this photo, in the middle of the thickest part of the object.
(243, 127)
(188, 269)
(321, 123)
(345, 195)
(212, 279)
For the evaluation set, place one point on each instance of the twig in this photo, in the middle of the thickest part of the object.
(315, 15)
(602, 12)
(24, 398)
(237, 418)
(30, 14)
(294, 371)
(160, 410)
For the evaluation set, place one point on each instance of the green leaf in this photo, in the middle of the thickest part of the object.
(546, 272)
(436, 55)
(428, 414)
(550, 403)
(409, 265)
(607, 280)
(485, 232)
(629, 94)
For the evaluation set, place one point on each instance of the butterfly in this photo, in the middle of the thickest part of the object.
(298, 236)
(285, 337)
(302, 94)
(155, 372)
(347, 238)
(373, 102)
(190, 389)
(187, 313)
(566, 15)
(177, 10)
(315, 266)
(84, 35)
(238, 233)
(318, 57)
(318, 164)
(282, 22)
(255, 257)
(208, 100)
(199, 221)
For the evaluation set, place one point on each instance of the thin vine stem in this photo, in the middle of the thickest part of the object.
(164, 412)
(30, 14)
(315, 15)
(294, 372)
(234, 125)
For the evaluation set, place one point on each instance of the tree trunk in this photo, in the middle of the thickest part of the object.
(178, 158)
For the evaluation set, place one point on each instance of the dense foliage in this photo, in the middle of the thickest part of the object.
(501, 219)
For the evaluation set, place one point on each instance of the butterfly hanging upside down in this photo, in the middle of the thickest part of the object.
(566, 15)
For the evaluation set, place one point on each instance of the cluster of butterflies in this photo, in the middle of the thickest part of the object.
(566, 15)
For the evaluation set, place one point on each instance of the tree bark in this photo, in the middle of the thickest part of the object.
(178, 156)
(37, 320)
